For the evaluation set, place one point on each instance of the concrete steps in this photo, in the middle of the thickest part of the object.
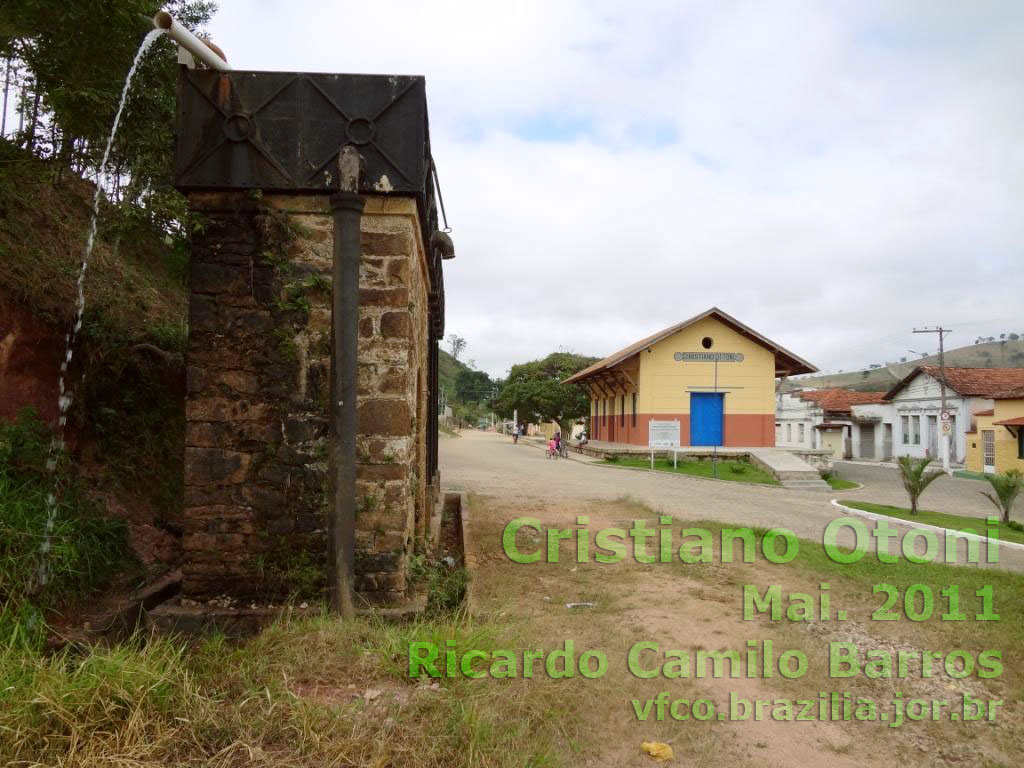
(791, 471)
(814, 483)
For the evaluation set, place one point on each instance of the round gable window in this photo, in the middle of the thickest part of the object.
(707, 342)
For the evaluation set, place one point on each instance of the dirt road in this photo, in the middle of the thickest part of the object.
(482, 462)
(692, 609)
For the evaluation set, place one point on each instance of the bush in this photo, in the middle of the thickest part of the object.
(49, 553)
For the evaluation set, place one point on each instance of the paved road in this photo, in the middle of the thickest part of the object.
(947, 494)
(490, 464)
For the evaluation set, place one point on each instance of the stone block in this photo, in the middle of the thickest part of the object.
(381, 471)
(398, 271)
(396, 325)
(225, 409)
(216, 279)
(384, 417)
(304, 428)
(213, 466)
(394, 381)
(387, 243)
(384, 297)
(281, 525)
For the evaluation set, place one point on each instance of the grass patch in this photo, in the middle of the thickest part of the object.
(852, 587)
(857, 581)
(316, 691)
(966, 475)
(726, 469)
(838, 483)
(941, 519)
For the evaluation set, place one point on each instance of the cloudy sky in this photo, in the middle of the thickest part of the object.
(831, 173)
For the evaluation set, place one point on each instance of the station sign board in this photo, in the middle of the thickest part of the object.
(663, 434)
(708, 357)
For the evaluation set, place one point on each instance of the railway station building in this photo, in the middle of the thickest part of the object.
(712, 373)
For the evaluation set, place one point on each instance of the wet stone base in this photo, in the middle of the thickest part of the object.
(258, 360)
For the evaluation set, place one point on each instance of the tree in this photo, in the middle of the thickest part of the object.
(77, 56)
(473, 386)
(535, 389)
(915, 479)
(1007, 486)
(456, 344)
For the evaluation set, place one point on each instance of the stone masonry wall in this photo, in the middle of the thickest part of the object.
(258, 382)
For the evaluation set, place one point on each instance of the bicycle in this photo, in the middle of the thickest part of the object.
(563, 450)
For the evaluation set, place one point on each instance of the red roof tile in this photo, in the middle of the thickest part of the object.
(1017, 422)
(969, 382)
(840, 400)
(1010, 394)
(989, 412)
(786, 363)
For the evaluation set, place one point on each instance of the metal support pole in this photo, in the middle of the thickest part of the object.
(347, 209)
(942, 392)
(7, 88)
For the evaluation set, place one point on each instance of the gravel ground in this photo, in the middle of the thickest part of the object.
(490, 464)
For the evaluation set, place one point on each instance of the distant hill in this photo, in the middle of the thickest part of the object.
(991, 354)
(447, 369)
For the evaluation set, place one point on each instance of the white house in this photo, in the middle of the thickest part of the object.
(820, 419)
(910, 422)
(795, 417)
(872, 431)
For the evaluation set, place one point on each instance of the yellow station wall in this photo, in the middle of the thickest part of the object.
(664, 386)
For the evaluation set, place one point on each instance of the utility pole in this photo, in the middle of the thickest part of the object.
(942, 388)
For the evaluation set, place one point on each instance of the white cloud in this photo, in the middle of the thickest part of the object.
(832, 174)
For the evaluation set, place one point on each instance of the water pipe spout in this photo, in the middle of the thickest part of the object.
(206, 52)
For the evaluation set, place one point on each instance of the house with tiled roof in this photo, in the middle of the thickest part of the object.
(819, 419)
(710, 376)
(913, 418)
(996, 443)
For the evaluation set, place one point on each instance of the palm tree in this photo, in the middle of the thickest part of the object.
(915, 479)
(1007, 486)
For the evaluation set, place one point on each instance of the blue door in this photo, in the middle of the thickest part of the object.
(706, 414)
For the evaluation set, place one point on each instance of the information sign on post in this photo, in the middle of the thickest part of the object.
(662, 434)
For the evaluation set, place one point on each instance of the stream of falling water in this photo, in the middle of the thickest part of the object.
(64, 395)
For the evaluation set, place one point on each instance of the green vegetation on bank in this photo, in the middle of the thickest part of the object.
(1013, 531)
(43, 569)
(966, 475)
(726, 469)
(837, 483)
